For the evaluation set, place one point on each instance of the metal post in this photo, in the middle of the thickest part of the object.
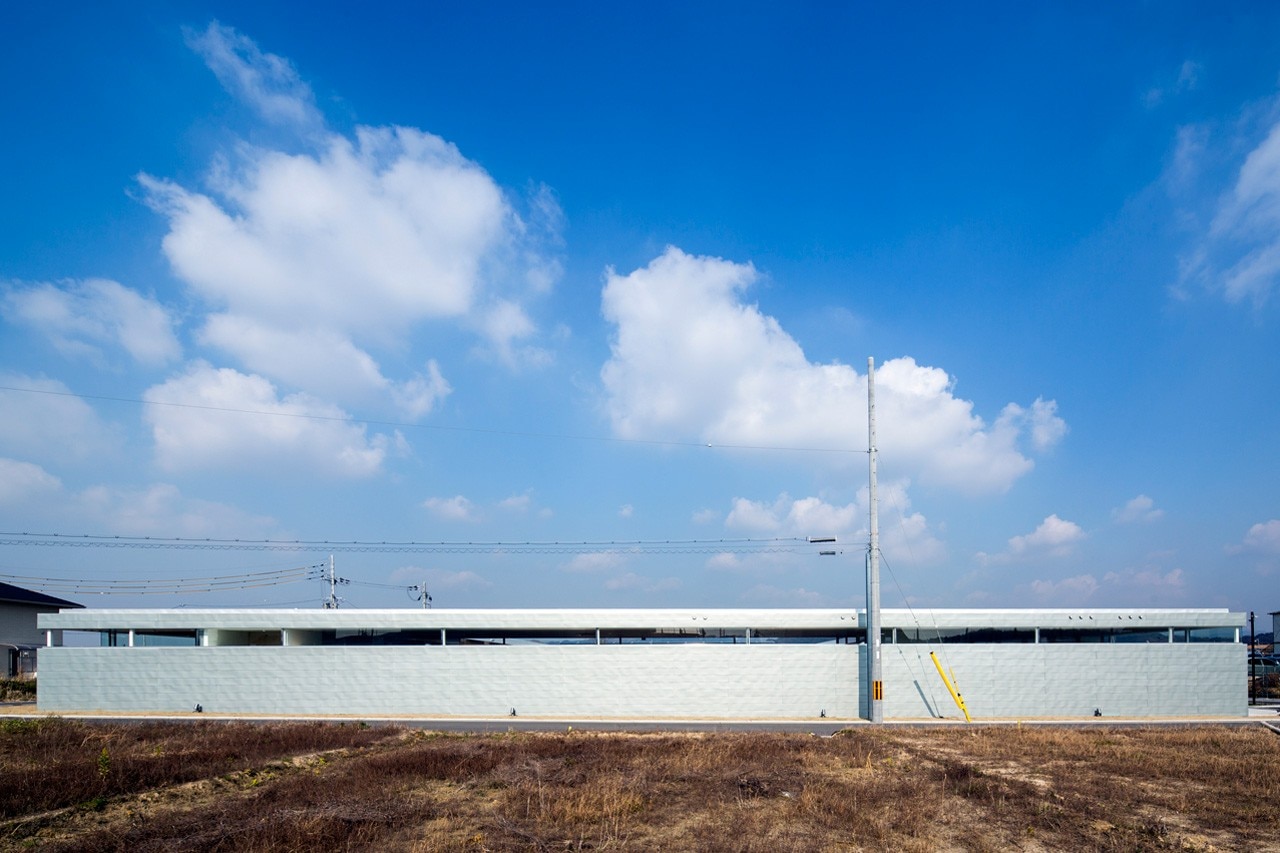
(1253, 667)
(875, 686)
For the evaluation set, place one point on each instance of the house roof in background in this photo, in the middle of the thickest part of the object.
(17, 595)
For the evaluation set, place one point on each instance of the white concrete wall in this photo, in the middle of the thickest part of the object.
(631, 681)
(1030, 680)
(575, 681)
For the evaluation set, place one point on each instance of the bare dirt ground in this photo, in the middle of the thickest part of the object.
(66, 785)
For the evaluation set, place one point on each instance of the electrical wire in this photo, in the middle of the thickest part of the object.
(170, 586)
(687, 546)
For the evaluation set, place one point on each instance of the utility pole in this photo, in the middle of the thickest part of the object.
(1253, 666)
(332, 603)
(875, 686)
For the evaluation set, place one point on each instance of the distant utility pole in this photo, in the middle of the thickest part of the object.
(332, 602)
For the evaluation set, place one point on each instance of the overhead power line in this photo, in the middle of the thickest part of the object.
(671, 546)
(168, 586)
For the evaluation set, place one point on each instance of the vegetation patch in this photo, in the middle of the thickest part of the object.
(67, 786)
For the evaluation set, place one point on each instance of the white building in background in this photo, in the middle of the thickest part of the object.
(631, 664)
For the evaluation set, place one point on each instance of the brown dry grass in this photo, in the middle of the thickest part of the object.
(223, 786)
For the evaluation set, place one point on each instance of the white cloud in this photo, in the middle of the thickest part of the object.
(631, 582)
(1139, 509)
(1238, 254)
(391, 229)
(705, 516)
(1073, 590)
(596, 561)
(726, 561)
(323, 361)
(162, 509)
(904, 534)
(437, 579)
(312, 260)
(504, 324)
(517, 503)
(1188, 80)
(295, 431)
(766, 595)
(1054, 538)
(626, 511)
(23, 483)
(1148, 584)
(80, 318)
(809, 516)
(456, 508)
(267, 82)
(48, 422)
(1262, 538)
(691, 359)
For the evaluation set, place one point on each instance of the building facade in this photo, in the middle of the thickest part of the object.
(20, 636)
(644, 664)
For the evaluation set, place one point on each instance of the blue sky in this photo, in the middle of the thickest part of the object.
(593, 273)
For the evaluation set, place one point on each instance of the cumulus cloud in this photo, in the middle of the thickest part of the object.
(1054, 537)
(456, 508)
(1148, 584)
(691, 358)
(631, 582)
(84, 318)
(162, 508)
(767, 595)
(438, 579)
(1073, 590)
(726, 561)
(809, 516)
(1262, 539)
(323, 361)
(46, 421)
(311, 260)
(294, 431)
(22, 483)
(389, 228)
(595, 561)
(903, 533)
(1139, 509)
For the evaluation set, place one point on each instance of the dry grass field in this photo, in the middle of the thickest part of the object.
(210, 785)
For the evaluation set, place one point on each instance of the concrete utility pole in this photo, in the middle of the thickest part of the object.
(875, 686)
(332, 603)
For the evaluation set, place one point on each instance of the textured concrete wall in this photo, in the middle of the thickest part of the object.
(1030, 680)
(695, 680)
(588, 681)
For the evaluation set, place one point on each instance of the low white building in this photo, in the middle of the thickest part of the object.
(632, 664)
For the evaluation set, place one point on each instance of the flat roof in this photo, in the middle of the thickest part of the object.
(254, 619)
